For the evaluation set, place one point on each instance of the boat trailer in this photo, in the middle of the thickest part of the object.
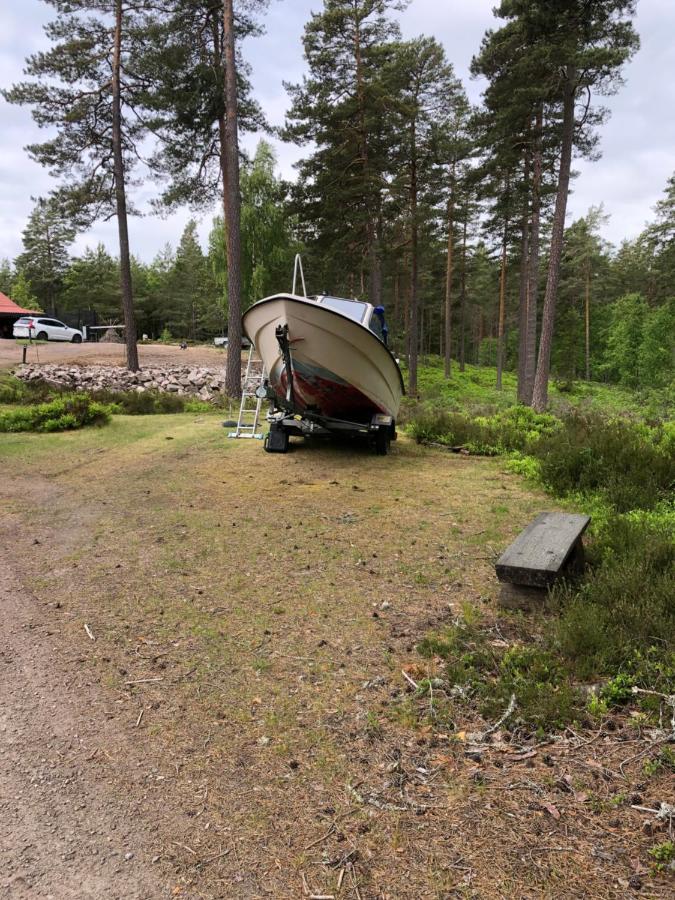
(285, 419)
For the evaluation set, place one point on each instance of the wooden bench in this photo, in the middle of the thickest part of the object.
(544, 551)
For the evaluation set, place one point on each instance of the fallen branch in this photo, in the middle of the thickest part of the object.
(144, 681)
(210, 859)
(185, 847)
(411, 681)
(90, 633)
(508, 712)
(352, 875)
(322, 838)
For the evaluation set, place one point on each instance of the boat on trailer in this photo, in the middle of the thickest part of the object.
(329, 369)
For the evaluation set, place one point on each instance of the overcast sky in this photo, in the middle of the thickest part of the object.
(638, 142)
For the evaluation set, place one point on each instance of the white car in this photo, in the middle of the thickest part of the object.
(43, 329)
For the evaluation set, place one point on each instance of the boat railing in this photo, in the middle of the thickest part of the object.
(297, 267)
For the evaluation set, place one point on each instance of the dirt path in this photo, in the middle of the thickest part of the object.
(70, 827)
(258, 611)
(109, 354)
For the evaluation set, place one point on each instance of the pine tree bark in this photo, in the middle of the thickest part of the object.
(232, 208)
(462, 300)
(502, 308)
(414, 311)
(533, 263)
(524, 278)
(372, 248)
(587, 319)
(120, 196)
(448, 280)
(538, 397)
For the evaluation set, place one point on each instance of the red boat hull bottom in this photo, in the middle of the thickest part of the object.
(320, 391)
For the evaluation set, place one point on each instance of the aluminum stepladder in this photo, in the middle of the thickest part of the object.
(254, 378)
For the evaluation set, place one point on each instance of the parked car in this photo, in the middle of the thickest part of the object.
(223, 342)
(43, 329)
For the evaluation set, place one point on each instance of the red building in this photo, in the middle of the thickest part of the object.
(9, 313)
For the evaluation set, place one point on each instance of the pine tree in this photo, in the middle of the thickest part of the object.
(84, 87)
(268, 245)
(661, 240)
(427, 93)
(21, 294)
(6, 276)
(197, 86)
(44, 260)
(342, 109)
(581, 47)
(92, 282)
(457, 150)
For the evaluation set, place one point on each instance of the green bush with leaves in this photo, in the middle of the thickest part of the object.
(13, 391)
(62, 414)
(625, 607)
(145, 403)
(631, 465)
(513, 429)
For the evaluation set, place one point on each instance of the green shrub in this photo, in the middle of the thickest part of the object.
(15, 391)
(538, 678)
(513, 429)
(626, 604)
(132, 403)
(141, 403)
(62, 414)
(630, 464)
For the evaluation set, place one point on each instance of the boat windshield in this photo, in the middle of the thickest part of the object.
(354, 309)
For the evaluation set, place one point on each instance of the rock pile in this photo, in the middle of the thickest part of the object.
(196, 381)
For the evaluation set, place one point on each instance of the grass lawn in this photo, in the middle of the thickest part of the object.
(265, 607)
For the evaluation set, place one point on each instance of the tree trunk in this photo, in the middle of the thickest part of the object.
(540, 393)
(406, 312)
(462, 299)
(120, 196)
(524, 278)
(502, 309)
(533, 264)
(587, 317)
(414, 312)
(448, 280)
(372, 249)
(232, 209)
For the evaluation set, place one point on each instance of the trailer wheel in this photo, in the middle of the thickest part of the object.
(382, 441)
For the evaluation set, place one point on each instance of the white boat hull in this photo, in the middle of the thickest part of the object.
(341, 369)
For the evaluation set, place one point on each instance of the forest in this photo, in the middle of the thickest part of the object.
(452, 216)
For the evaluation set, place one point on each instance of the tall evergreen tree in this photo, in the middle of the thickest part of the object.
(427, 93)
(92, 282)
(5, 276)
(197, 87)
(268, 244)
(581, 47)
(85, 88)
(44, 260)
(661, 238)
(341, 108)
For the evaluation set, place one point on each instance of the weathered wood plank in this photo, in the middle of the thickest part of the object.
(542, 550)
